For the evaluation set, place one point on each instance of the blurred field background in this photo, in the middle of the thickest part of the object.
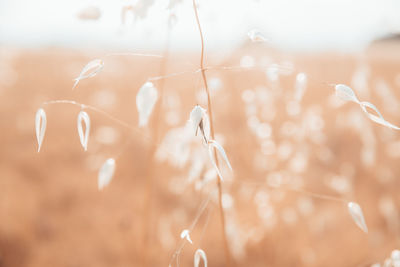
(286, 154)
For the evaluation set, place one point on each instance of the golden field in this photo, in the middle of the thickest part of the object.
(287, 158)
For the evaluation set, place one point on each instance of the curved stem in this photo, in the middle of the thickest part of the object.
(182, 243)
(203, 74)
(84, 106)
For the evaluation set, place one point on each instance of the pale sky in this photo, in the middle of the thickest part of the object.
(291, 24)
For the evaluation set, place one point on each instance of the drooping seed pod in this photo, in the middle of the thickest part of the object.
(199, 121)
(106, 173)
(345, 93)
(198, 255)
(91, 69)
(146, 98)
(185, 234)
(212, 144)
(40, 125)
(357, 215)
(83, 136)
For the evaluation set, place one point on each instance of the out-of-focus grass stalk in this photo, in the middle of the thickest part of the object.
(150, 195)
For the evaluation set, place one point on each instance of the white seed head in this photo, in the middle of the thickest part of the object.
(345, 93)
(90, 70)
(198, 255)
(378, 119)
(146, 98)
(40, 125)
(212, 144)
(196, 116)
(357, 215)
(106, 173)
(186, 234)
(83, 136)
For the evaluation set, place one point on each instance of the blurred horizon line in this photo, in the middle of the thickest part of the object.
(303, 25)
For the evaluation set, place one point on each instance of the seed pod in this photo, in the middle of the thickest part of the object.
(199, 120)
(106, 173)
(357, 215)
(185, 234)
(196, 116)
(83, 137)
(345, 93)
(200, 254)
(146, 98)
(91, 69)
(212, 144)
(40, 125)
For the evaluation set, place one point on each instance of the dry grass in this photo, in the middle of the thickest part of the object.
(51, 213)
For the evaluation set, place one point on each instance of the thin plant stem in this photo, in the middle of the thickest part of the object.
(182, 243)
(171, 75)
(216, 68)
(298, 190)
(203, 231)
(84, 106)
(203, 74)
(316, 195)
(132, 54)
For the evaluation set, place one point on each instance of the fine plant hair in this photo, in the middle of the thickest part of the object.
(153, 138)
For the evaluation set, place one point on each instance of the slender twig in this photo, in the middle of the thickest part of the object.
(203, 74)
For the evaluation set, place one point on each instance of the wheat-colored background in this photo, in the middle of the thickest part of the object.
(53, 215)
